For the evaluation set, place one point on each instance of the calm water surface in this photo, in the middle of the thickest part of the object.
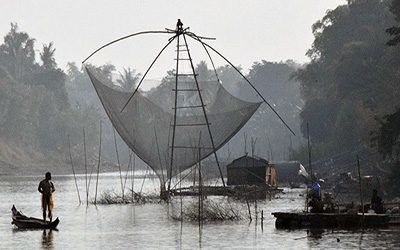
(150, 226)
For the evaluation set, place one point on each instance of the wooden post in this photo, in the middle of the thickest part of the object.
(119, 165)
(262, 220)
(200, 215)
(309, 164)
(73, 170)
(98, 168)
(361, 196)
(133, 175)
(86, 172)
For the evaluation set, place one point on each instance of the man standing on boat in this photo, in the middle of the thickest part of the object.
(46, 188)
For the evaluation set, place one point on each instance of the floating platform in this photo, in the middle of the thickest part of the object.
(333, 220)
(259, 192)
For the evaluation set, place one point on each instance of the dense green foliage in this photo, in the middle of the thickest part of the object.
(34, 100)
(352, 76)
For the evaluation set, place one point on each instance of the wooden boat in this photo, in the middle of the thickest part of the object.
(22, 221)
(330, 220)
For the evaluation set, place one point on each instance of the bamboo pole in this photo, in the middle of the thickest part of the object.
(73, 170)
(361, 196)
(86, 172)
(119, 165)
(309, 164)
(175, 111)
(133, 176)
(128, 168)
(98, 166)
(200, 215)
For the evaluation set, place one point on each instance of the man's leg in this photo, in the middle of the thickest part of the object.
(50, 213)
(44, 208)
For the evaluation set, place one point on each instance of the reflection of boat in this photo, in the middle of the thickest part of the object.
(22, 221)
(330, 220)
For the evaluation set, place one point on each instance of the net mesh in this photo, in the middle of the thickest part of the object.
(146, 123)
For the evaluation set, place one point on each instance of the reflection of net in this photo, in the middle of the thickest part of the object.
(146, 125)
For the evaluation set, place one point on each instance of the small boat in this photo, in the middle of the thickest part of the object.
(330, 220)
(22, 221)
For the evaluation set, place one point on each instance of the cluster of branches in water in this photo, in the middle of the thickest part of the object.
(211, 211)
(109, 198)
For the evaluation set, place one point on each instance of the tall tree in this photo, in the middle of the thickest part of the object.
(17, 54)
(394, 31)
(47, 56)
(128, 79)
(351, 76)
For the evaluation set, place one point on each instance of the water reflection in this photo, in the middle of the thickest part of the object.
(150, 225)
(315, 233)
(47, 239)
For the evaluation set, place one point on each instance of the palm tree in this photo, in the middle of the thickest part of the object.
(47, 56)
(17, 52)
(128, 79)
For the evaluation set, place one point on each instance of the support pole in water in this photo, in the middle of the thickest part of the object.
(86, 172)
(309, 164)
(262, 220)
(98, 168)
(73, 171)
(200, 216)
(361, 196)
(119, 165)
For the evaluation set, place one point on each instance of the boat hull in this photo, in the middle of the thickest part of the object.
(24, 222)
(329, 220)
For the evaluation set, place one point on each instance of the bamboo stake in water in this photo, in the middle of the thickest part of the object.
(133, 175)
(86, 172)
(361, 196)
(73, 170)
(98, 168)
(200, 215)
(128, 169)
(119, 165)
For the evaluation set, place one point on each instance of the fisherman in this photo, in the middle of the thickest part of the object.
(376, 202)
(179, 25)
(315, 198)
(46, 188)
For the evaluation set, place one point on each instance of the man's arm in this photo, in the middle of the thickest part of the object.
(40, 187)
(52, 187)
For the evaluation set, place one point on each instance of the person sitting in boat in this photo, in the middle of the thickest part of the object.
(376, 202)
(315, 198)
(46, 188)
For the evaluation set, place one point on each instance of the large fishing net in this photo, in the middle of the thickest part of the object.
(146, 123)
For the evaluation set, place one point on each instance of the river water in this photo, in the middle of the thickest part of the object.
(150, 226)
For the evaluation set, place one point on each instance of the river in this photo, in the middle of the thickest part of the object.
(150, 226)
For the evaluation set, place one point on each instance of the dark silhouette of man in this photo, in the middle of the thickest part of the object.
(179, 25)
(46, 188)
(376, 202)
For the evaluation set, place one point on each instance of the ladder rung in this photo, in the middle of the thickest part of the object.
(183, 59)
(185, 74)
(191, 147)
(187, 90)
(189, 107)
(191, 124)
(181, 50)
(181, 45)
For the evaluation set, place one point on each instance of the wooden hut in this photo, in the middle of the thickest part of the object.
(248, 170)
(288, 172)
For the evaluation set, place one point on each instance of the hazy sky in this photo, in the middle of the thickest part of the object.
(246, 30)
